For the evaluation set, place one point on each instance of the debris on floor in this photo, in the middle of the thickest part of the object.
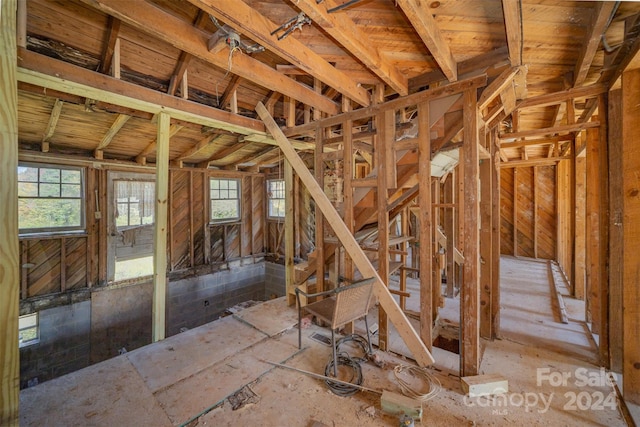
(242, 397)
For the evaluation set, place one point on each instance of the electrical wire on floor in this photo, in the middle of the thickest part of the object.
(343, 389)
(360, 341)
(421, 373)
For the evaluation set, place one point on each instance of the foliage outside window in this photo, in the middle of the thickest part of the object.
(135, 203)
(50, 198)
(28, 331)
(225, 199)
(275, 197)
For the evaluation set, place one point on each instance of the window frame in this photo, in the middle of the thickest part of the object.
(35, 340)
(116, 202)
(81, 228)
(238, 200)
(270, 198)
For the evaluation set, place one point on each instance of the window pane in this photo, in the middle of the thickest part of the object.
(27, 189)
(70, 176)
(70, 190)
(224, 209)
(215, 194)
(49, 190)
(49, 213)
(224, 184)
(27, 174)
(49, 175)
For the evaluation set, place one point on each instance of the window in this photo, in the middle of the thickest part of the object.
(225, 199)
(28, 332)
(275, 196)
(135, 202)
(50, 198)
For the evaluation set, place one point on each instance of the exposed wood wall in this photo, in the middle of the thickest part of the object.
(535, 211)
(63, 262)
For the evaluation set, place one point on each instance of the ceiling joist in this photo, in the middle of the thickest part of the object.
(118, 123)
(151, 20)
(346, 32)
(427, 27)
(512, 10)
(600, 20)
(247, 20)
(51, 126)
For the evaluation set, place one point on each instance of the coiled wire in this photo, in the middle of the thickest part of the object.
(421, 373)
(358, 339)
(343, 389)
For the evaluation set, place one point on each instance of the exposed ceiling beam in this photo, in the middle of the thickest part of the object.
(142, 157)
(228, 92)
(226, 152)
(185, 58)
(507, 137)
(50, 73)
(562, 96)
(200, 145)
(494, 88)
(601, 14)
(117, 124)
(544, 161)
(512, 10)
(151, 20)
(346, 32)
(246, 20)
(113, 30)
(51, 126)
(426, 26)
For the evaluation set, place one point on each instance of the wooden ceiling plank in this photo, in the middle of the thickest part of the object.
(113, 30)
(562, 96)
(170, 29)
(51, 126)
(346, 32)
(49, 73)
(244, 19)
(117, 124)
(200, 145)
(141, 158)
(185, 58)
(548, 131)
(601, 14)
(427, 27)
(226, 152)
(512, 10)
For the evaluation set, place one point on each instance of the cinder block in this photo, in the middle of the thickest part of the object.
(484, 385)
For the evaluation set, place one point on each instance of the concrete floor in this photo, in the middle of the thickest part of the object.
(194, 377)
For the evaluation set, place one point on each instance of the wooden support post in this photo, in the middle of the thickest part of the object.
(289, 198)
(381, 141)
(449, 197)
(470, 289)
(436, 273)
(486, 243)
(319, 174)
(495, 238)
(347, 173)
(405, 330)
(534, 190)
(21, 24)
(603, 226)
(426, 233)
(631, 224)
(515, 212)
(9, 245)
(580, 275)
(616, 236)
(160, 228)
(593, 246)
(404, 227)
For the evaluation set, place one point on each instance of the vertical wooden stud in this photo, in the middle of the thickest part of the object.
(289, 198)
(425, 219)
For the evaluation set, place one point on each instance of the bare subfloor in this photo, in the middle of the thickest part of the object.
(199, 376)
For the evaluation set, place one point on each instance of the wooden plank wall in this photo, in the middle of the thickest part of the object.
(57, 263)
(535, 216)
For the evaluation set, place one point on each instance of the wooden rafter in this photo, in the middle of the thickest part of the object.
(512, 10)
(244, 18)
(117, 124)
(145, 17)
(427, 27)
(601, 14)
(346, 32)
(496, 87)
(562, 96)
(142, 157)
(185, 58)
(229, 92)
(113, 30)
(51, 126)
(548, 131)
(200, 145)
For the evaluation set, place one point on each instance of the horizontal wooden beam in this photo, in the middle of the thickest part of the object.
(577, 127)
(543, 161)
(563, 96)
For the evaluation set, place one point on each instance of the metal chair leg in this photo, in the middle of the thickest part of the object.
(366, 324)
(335, 358)
(299, 327)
